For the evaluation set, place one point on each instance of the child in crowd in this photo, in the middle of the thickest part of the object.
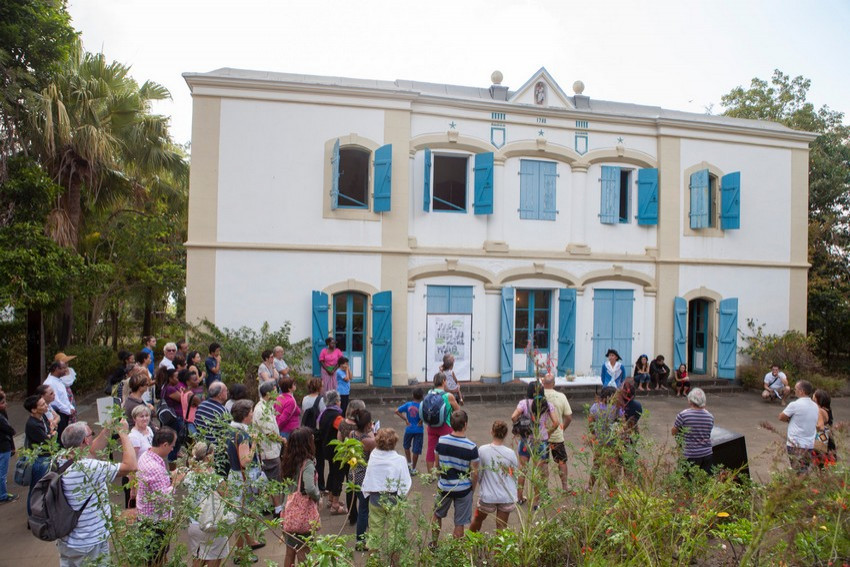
(498, 490)
(414, 432)
(343, 382)
(683, 383)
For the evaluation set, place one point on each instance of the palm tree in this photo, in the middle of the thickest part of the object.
(93, 130)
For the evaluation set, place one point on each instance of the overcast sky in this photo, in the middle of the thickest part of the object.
(682, 55)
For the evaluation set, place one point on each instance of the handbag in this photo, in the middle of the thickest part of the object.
(301, 514)
(23, 472)
(256, 478)
(821, 443)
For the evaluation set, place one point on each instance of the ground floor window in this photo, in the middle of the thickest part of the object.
(349, 329)
(532, 324)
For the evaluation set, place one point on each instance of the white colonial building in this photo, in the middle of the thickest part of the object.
(410, 219)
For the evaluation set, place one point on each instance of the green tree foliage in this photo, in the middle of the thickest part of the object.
(783, 100)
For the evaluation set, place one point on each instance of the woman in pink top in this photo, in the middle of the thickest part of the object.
(329, 361)
(287, 412)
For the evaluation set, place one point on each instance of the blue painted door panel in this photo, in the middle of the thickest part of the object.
(382, 339)
(506, 338)
(566, 331)
(612, 325)
(320, 327)
(680, 331)
(727, 338)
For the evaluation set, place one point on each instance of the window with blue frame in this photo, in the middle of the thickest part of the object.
(450, 181)
(531, 322)
(616, 195)
(537, 190)
(449, 299)
(353, 178)
(715, 202)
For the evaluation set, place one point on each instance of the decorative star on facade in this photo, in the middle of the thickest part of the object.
(452, 124)
(620, 140)
(540, 132)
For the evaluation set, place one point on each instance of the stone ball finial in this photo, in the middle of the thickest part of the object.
(496, 77)
(578, 87)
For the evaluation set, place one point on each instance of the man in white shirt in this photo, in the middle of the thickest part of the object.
(775, 385)
(169, 351)
(61, 403)
(280, 364)
(801, 415)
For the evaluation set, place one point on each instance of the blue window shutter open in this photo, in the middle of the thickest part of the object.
(426, 202)
(609, 209)
(548, 195)
(506, 338)
(647, 196)
(528, 183)
(383, 178)
(566, 331)
(320, 327)
(700, 208)
(730, 201)
(483, 203)
(680, 331)
(727, 338)
(335, 176)
(382, 339)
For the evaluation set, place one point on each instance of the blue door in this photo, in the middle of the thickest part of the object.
(532, 326)
(612, 326)
(349, 330)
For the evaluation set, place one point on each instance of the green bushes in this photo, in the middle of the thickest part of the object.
(93, 365)
(792, 351)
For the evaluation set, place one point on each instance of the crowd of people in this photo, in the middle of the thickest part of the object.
(207, 429)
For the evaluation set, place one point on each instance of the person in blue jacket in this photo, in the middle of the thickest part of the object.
(613, 373)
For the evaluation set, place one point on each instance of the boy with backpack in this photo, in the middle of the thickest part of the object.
(459, 460)
(414, 432)
(436, 411)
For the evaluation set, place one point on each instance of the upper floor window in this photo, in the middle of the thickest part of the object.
(447, 183)
(353, 178)
(615, 204)
(450, 176)
(537, 189)
(714, 202)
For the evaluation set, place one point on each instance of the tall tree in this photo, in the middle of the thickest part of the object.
(783, 100)
(92, 129)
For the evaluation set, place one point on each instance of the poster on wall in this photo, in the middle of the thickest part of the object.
(449, 334)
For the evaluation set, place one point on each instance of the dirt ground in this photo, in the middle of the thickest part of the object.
(741, 413)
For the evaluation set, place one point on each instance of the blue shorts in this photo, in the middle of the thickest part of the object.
(414, 439)
(541, 451)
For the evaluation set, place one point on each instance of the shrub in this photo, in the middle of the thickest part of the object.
(792, 351)
(93, 365)
(241, 350)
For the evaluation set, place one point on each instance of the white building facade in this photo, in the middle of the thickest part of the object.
(411, 219)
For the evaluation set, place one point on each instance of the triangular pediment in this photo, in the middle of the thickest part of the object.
(543, 91)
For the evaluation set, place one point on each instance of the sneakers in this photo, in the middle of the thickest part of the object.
(9, 498)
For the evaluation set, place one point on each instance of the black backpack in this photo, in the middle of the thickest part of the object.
(51, 517)
(309, 418)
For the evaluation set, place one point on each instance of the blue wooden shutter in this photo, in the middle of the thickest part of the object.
(700, 207)
(506, 340)
(680, 331)
(730, 201)
(609, 209)
(382, 339)
(566, 331)
(603, 321)
(623, 309)
(483, 203)
(548, 177)
(335, 176)
(528, 182)
(320, 327)
(383, 178)
(426, 202)
(727, 338)
(647, 196)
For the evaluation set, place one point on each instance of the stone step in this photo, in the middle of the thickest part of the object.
(513, 391)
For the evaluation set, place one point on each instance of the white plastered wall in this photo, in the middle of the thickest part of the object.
(271, 172)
